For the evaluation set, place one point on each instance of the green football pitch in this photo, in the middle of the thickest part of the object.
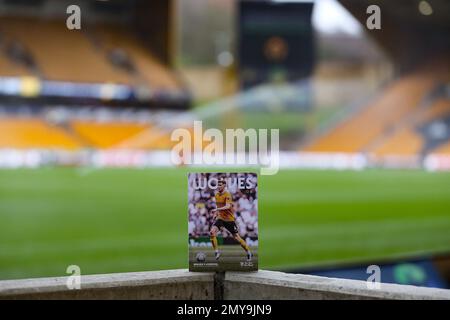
(116, 220)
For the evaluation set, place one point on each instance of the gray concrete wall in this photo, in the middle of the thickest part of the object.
(182, 284)
(170, 284)
(277, 285)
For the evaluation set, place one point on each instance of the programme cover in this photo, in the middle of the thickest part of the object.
(223, 221)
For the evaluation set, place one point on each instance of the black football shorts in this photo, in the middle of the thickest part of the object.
(229, 225)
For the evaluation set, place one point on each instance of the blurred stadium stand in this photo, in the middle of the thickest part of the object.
(101, 54)
(112, 47)
(144, 64)
(65, 77)
(117, 64)
(106, 135)
(113, 87)
(406, 116)
(33, 133)
(391, 123)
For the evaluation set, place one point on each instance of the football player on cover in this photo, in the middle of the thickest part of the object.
(224, 218)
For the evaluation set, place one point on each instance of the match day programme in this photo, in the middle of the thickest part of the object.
(223, 221)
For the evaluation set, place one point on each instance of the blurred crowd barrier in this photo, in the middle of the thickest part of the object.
(35, 158)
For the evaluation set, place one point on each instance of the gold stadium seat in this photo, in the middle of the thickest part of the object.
(11, 69)
(106, 134)
(379, 118)
(62, 54)
(150, 69)
(33, 133)
(406, 140)
(152, 138)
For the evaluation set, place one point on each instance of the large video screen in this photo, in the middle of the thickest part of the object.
(275, 42)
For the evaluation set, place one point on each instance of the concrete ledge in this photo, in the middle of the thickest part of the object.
(277, 285)
(170, 284)
(182, 284)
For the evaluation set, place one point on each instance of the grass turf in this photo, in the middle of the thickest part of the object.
(115, 220)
